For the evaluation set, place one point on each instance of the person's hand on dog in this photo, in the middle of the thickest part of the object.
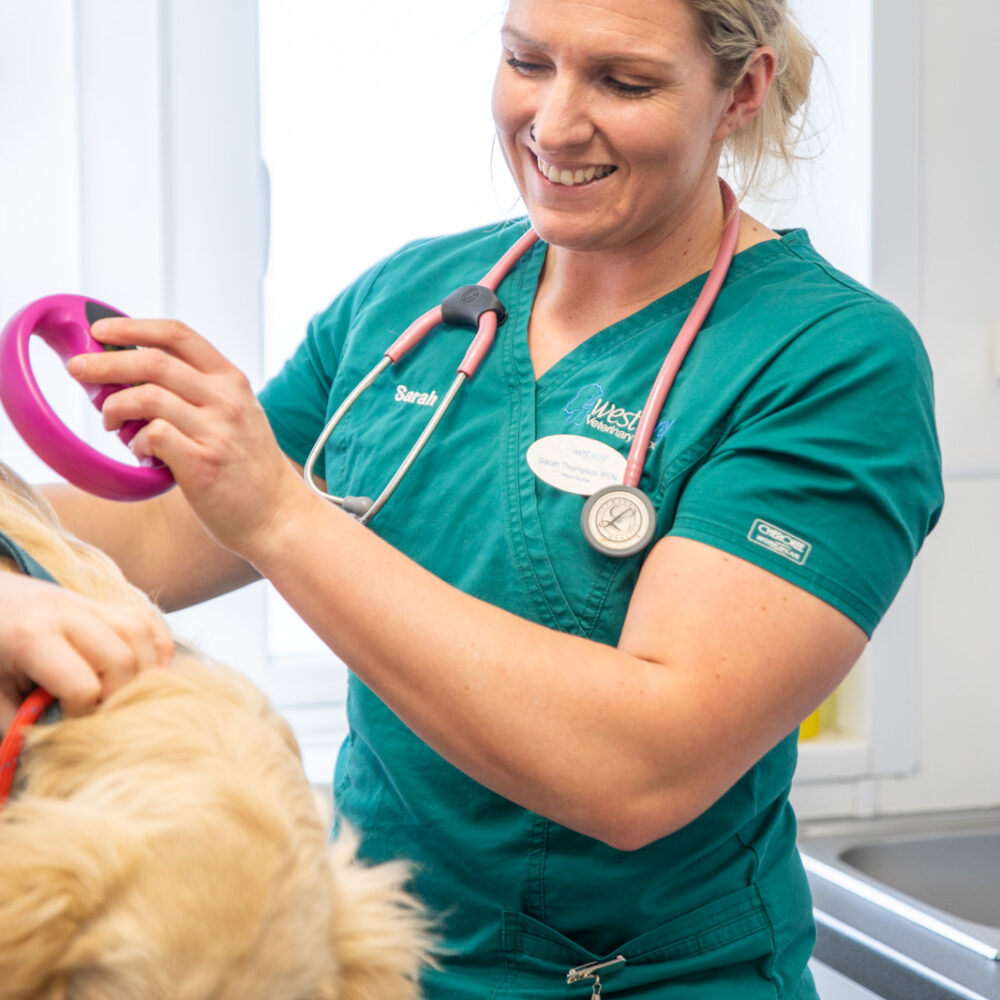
(204, 422)
(80, 651)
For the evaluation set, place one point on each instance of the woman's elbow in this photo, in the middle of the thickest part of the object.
(634, 825)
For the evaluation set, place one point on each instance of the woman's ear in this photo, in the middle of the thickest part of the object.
(749, 92)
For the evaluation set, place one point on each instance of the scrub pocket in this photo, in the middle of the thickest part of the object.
(716, 952)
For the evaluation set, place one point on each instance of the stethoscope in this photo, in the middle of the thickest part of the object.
(617, 520)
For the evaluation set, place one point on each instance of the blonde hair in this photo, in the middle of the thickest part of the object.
(732, 31)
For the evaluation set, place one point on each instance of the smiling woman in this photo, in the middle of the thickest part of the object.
(629, 96)
(587, 756)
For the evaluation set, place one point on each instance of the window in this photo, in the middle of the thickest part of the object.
(375, 129)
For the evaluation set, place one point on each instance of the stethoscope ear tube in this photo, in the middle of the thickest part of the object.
(352, 397)
(470, 305)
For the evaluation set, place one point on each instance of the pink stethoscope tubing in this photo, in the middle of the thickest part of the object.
(620, 520)
(682, 344)
(361, 507)
(63, 323)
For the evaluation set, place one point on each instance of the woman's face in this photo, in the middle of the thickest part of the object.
(609, 119)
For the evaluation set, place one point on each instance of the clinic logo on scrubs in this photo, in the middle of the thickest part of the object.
(589, 408)
(786, 545)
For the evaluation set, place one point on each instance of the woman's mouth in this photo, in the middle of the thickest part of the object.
(570, 178)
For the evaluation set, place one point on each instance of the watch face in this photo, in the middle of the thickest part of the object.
(619, 520)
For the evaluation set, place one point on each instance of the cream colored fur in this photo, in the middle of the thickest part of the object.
(168, 846)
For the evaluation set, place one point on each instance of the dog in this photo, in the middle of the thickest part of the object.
(169, 847)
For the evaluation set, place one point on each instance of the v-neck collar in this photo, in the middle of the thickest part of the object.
(659, 312)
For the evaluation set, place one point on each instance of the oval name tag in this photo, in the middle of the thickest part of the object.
(576, 464)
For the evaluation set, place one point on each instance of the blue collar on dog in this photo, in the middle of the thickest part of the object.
(26, 564)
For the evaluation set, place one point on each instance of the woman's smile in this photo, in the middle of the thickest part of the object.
(572, 176)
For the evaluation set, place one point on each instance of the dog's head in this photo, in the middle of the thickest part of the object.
(169, 846)
(29, 520)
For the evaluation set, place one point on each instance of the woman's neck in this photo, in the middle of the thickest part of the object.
(582, 292)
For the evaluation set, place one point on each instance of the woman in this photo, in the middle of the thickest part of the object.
(587, 757)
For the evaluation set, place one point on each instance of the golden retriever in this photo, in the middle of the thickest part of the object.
(169, 847)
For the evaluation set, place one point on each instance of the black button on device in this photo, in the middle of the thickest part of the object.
(95, 311)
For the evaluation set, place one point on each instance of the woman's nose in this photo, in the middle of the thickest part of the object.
(562, 119)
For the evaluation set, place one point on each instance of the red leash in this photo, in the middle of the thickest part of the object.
(10, 750)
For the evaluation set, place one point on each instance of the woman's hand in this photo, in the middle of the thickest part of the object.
(79, 650)
(204, 422)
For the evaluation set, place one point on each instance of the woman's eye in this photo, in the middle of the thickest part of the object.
(522, 66)
(527, 68)
(628, 89)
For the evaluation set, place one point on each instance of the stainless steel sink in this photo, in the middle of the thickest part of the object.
(899, 901)
(941, 871)
(959, 873)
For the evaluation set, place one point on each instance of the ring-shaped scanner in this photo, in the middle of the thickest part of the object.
(63, 322)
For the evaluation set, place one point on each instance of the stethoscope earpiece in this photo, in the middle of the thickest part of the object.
(356, 506)
(476, 306)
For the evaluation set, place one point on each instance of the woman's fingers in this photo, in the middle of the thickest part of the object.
(166, 335)
(152, 367)
(175, 358)
(56, 665)
(201, 418)
(79, 650)
(185, 387)
(152, 402)
(92, 656)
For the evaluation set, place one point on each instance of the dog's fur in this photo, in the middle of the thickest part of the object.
(168, 846)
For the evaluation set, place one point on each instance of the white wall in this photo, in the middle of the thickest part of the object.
(959, 679)
(955, 684)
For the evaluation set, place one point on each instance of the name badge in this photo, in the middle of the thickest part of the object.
(576, 464)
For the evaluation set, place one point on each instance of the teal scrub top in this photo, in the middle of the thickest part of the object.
(799, 435)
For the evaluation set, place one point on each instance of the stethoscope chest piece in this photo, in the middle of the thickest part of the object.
(619, 521)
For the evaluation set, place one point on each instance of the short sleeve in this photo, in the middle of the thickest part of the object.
(296, 399)
(829, 471)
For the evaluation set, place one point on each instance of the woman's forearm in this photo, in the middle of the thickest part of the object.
(160, 544)
(625, 744)
(487, 690)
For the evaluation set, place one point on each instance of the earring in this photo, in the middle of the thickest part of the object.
(531, 131)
